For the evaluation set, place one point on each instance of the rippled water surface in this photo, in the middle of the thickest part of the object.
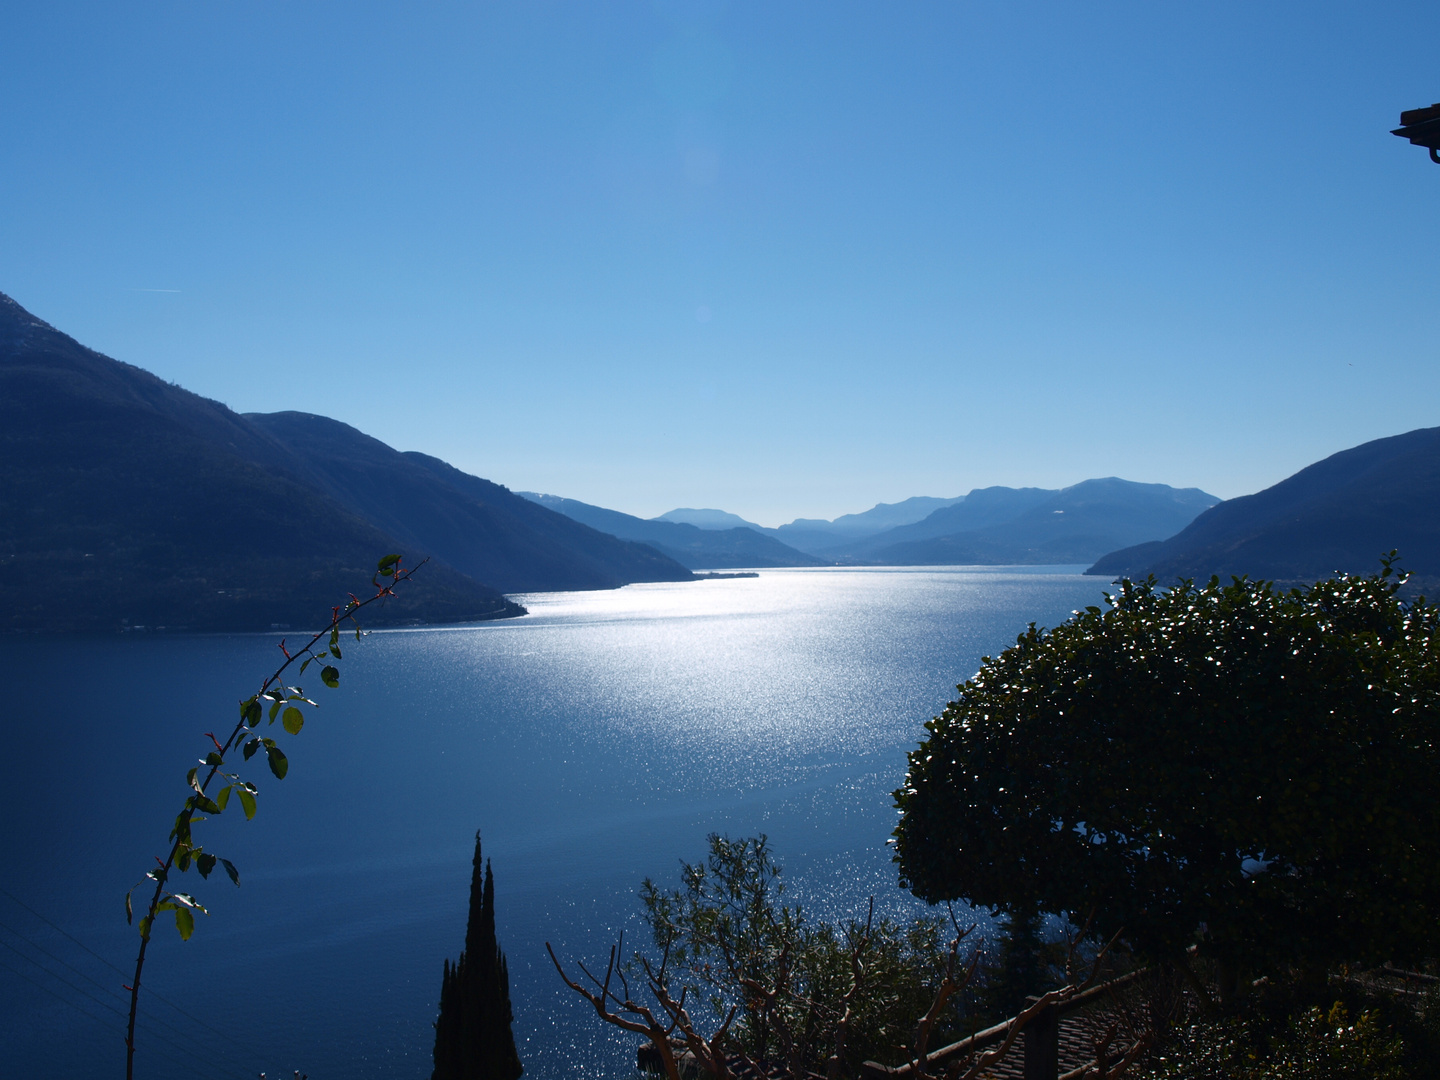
(594, 742)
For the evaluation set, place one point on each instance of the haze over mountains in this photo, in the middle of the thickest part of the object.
(989, 526)
(715, 547)
(128, 502)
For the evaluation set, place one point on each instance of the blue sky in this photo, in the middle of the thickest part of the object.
(789, 259)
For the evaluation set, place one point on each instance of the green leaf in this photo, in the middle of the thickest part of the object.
(212, 758)
(145, 927)
(250, 748)
(247, 803)
(335, 649)
(278, 763)
(387, 565)
(190, 779)
(129, 911)
(306, 663)
(250, 711)
(184, 922)
(230, 869)
(208, 805)
(205, 863)
(293, 720)
(275, 708)
(222, 797)
(330, 676)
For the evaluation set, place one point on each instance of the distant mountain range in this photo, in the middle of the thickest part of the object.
(1001, 525)
(126, 501)
(989, 526)
(1340, 514)
(815, 534)
(710, 547)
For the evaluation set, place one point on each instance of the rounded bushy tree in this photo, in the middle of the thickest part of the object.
(1246, 769)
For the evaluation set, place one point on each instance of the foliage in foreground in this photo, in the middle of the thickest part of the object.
(740, 982)
(737, 972)
(1316, 1044)
(728, 929)
(1250, 771)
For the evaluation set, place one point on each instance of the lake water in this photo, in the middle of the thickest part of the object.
(594, 742)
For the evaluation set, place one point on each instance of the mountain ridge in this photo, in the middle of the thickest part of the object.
(1337, 514)
(129, 501)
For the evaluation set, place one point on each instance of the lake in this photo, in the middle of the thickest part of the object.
(595, 742)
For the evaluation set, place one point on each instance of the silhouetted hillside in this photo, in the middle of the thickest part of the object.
(125, 500)
(1341, 514)
(689, 545)
(1000, 525)
(482, 529)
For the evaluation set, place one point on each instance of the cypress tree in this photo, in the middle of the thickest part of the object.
(473, 1037)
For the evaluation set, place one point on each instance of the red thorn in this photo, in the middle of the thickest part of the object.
(283, 649)
(215, 741)
(130, 988)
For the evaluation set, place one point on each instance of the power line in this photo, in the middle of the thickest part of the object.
(99, 1020)
(123, 1013)
(58, 960)
(57, 929)
(251, 1050)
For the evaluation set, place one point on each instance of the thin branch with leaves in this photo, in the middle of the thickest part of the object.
(282, 702)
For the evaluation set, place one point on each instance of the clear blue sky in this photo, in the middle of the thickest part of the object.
(781, 258)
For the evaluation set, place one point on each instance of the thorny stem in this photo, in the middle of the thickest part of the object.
(338, 616)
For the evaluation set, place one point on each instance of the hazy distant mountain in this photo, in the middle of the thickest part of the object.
(982, 508)
(687, 544)
(1341, 513)
(816, 535)
(1000, 525)
(126, 500)
(708, 519)
(883, 516)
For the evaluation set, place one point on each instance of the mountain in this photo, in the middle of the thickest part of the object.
(813, 536)
(708, 519)
(485, 531)
(1340, 514)
(982, 508)
(125, 500)
(687, 544)
(816, 535)
(1000, 525)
